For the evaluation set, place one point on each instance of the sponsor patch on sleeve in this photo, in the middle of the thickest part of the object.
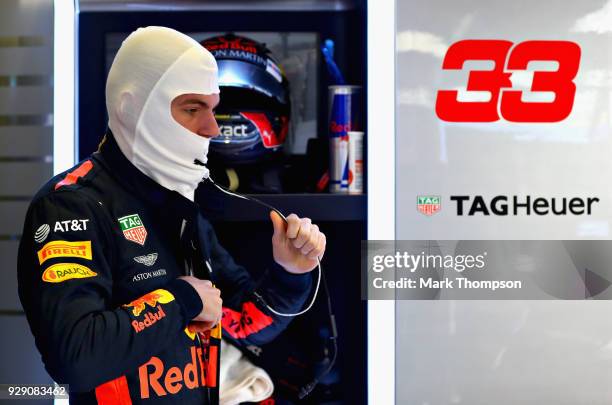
(148, 260)
(150, 316)
(62, 248)
(250, 320)
(158, 296)
(41, 233)
(133, 228)
(65, 271)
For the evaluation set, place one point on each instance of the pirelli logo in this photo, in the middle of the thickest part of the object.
(62, 248)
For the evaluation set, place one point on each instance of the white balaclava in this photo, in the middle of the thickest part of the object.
(153, 66)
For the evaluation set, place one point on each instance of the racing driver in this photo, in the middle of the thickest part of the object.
(110, 247)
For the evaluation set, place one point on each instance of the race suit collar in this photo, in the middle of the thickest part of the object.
(139, 184)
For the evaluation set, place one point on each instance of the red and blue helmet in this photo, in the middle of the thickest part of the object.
(255, 107)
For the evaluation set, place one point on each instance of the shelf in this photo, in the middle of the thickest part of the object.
(193, 5)
(318, 207)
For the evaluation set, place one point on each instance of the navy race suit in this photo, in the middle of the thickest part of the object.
(102, 247)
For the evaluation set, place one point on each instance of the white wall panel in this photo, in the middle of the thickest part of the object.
(26, 100)
(26, 17)
(23, 178)
(502, 352)
(25, 61)
(12, 215)
(25, 141)
(9, 299)
(21, 361)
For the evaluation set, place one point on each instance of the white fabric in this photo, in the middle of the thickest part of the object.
(240, 380)
(153, 66)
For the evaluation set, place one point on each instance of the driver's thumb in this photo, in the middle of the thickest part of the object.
(278, 224)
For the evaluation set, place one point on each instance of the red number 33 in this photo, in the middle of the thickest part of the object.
(497, 81)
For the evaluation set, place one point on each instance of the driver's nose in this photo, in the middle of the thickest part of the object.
(209, 127)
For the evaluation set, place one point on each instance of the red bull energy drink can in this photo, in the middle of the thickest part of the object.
(344, 116)
(355, 157)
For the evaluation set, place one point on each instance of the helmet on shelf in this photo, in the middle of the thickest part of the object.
(255, 107)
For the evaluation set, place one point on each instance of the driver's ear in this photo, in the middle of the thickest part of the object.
(124, 114)
(127, 109)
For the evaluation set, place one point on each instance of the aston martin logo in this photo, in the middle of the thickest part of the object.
(148, 260)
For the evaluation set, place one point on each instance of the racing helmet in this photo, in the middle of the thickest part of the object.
(253, 114)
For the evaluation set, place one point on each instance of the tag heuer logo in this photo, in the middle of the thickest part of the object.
(133, 229)
(148, 260)
(428, 204)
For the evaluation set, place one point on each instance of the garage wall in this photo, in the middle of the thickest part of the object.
(26, 135)
(503, 352)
